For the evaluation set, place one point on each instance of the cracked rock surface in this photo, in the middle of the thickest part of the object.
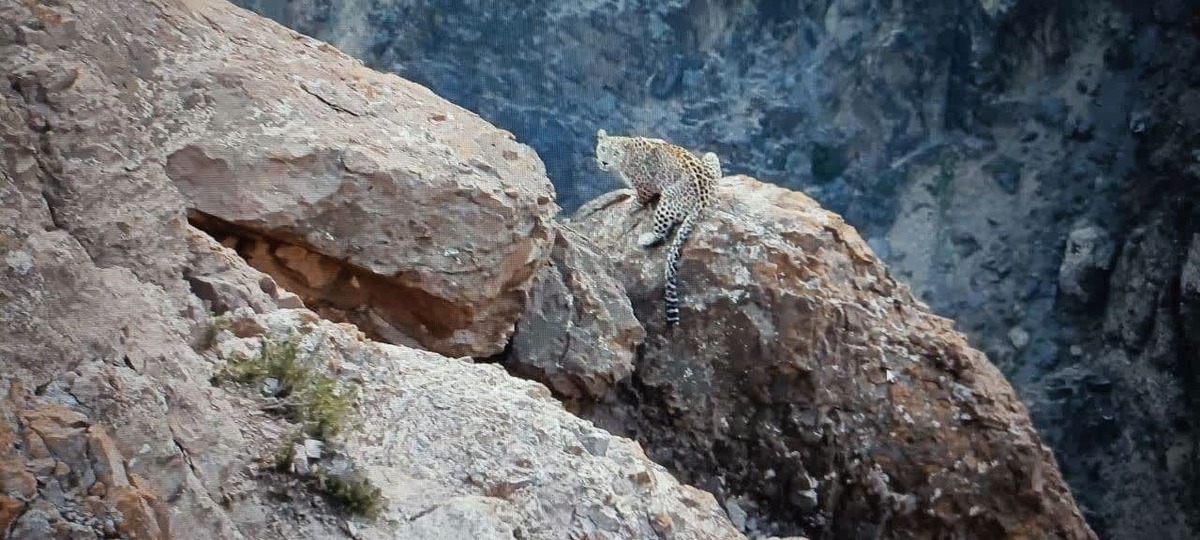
(116, 313)
(809, 389)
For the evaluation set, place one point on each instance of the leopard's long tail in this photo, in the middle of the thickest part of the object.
(672, 282)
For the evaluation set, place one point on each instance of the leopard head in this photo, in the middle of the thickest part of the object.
(610, 152)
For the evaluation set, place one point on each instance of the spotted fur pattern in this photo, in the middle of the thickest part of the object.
(683, 183)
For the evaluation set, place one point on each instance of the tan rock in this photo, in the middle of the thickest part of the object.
(63, 432)
(341, 187)
(137, 517)
(15, 481)
(805, 362)
(107, 461)
(10, 508)
(109, 293)
(578, 334)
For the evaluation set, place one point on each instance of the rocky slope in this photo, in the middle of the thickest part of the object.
(154, 385)
(809, 390)
(1030, 167)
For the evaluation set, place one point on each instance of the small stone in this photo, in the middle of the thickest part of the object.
(736, 514)
(807, 500)
(662, 524)
(1018, 337)
(270, 386)
(20, 262)
(1087, 257)
(287, 300)
(607, 519)
(247, 327)
(10, 508)
(350, 528)
(597, 445)
(1076, 350)
(98, 489)
(312, 448)
(642, 478)
(299, 460)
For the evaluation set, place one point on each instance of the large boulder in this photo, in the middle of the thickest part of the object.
(362, 192)
(578, 335)
(809, 388)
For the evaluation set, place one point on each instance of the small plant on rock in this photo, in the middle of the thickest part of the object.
(358, 495)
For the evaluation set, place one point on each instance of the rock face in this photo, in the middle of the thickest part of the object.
(808, 384)
(468, 451)
(578, 334)
(118, 318)
(965, 139)
(1086, 262)
(371, 194)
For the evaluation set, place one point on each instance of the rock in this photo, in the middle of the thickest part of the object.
(421, 413)
(1086, 262)
(1018, 337)
(797, 346)
(10, 509)
(332, 178)
(299, 465)
(474, 517)
(1138, 287)
(219, 277)
(1189, 277)
(312, 448)
(578, 334)
(32, 524)
(736, 515)
(1189, 308)
(111, 420)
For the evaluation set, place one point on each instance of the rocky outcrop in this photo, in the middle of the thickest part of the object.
(364, 193)
(130, 401)
(966, 140)
(810, 390)
(578, 334)
(466, 450)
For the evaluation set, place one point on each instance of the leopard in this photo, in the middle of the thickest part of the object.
(680, 185)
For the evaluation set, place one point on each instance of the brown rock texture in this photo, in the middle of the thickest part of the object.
(361, 192)
(80, 479)
(112, 421)
(806, 378)
(578, 334)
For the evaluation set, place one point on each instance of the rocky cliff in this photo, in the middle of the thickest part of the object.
(244, 277)
(154, 385)
(1030, 167)
(808, 389)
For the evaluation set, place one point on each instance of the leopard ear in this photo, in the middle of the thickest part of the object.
(600, 134)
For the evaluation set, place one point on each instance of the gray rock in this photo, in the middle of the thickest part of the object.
(1189, 277)
(467, 517)
(578, 334)
(1086, 261)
